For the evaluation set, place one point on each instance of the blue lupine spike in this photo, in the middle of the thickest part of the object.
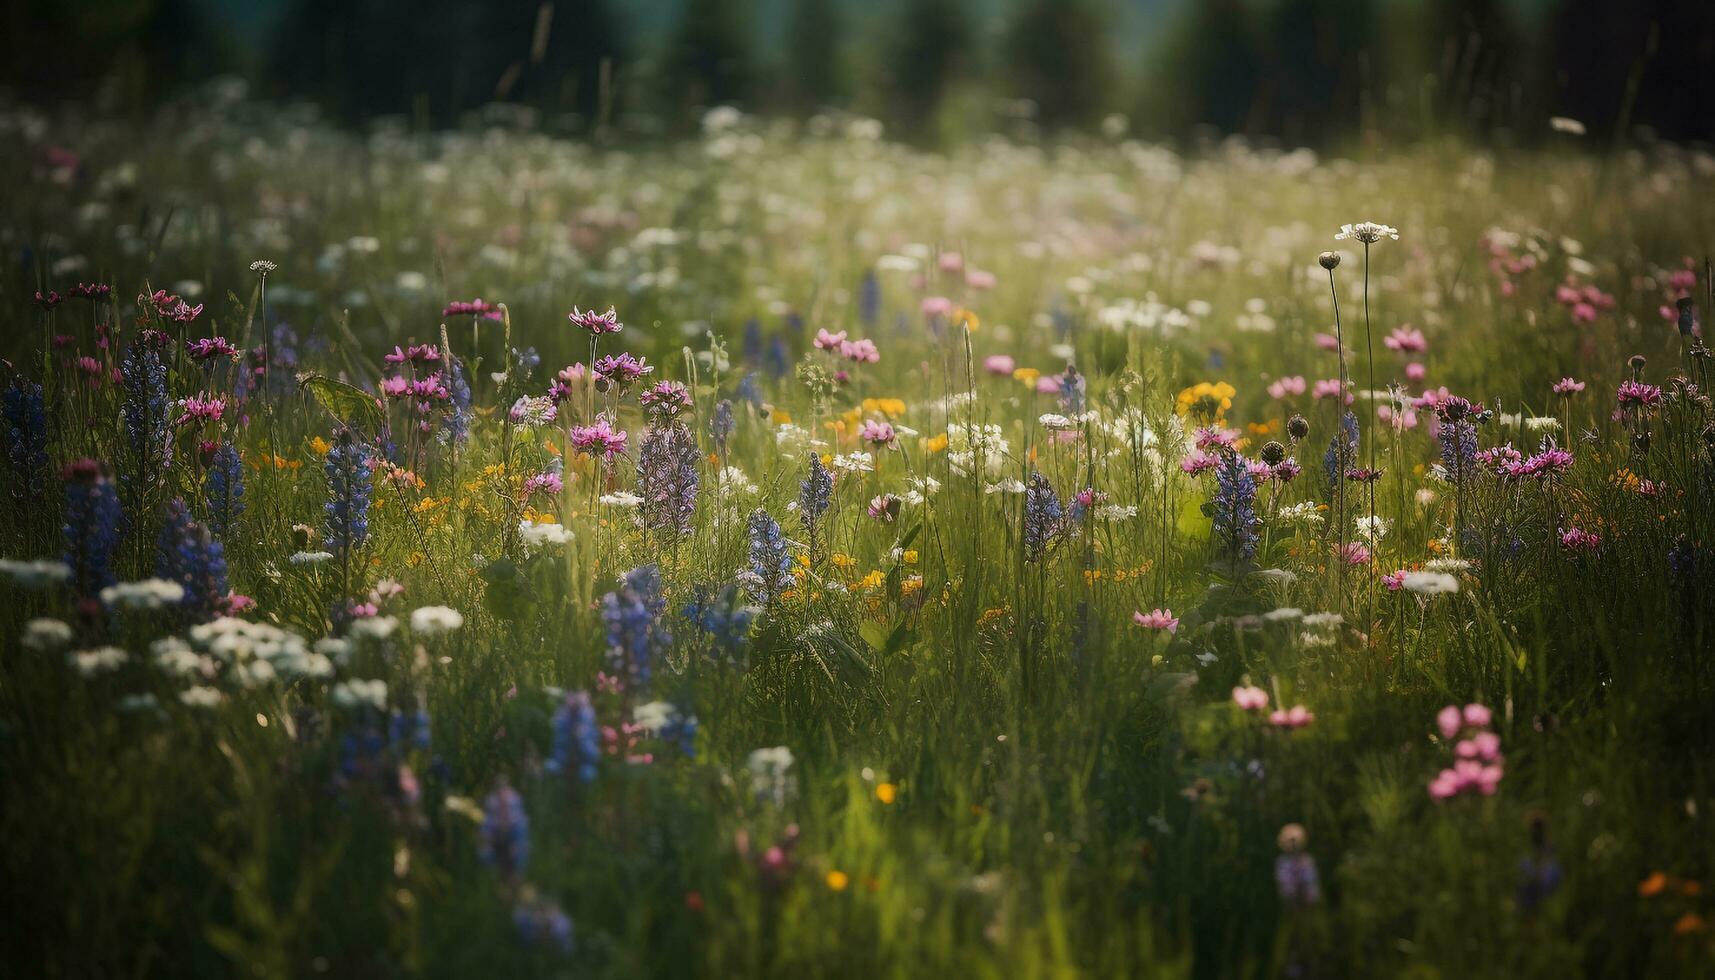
(667, 477)
(91, 532)
(225, 491)
(1044, 518)
(1235, 505)
(350, 483)
(26, 424)
(577, 739)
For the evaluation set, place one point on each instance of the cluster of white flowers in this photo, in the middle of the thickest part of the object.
(1452, 566)
(35, 574)
(201, 697)
(435, 620)
(534, 536)
(1430, 583)
(620, 498)
(102, 660)
(311, 557)
(373, 627)
(241, 653)
(45, 634)
(358, 693)
(1302, 513)
(1371, 529)
(856, 462)
(734, 483)
(150, 593)
(1011, 484)
(965, 441)
(770, 773)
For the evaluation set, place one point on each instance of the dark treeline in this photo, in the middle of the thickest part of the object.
(1298, 70)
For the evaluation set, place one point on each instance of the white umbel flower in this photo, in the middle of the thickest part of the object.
(435, 620)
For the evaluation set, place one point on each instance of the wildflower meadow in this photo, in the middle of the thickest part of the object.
(784, 551)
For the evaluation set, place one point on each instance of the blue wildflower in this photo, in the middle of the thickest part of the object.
(186, 554)
(869, 298)
(456, 424)
(91, 527)
(350, 483)
(1235, 506)
(147, 414)
(225, 490)
(722, 424)
(1044, 518)
(667, 478)
(1072, 388)
(778, 358)
(749, 390)
(26, 439)
(752, 341)
(635, 633)
(770, 571)
(540, 921)
(577, 739)
(721, 615)
(815, 496)
(1342, 449)
(505, 838)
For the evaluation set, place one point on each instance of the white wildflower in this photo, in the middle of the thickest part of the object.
(1368, 232)
(150, 593)
(45, 634)
(101, 660)
(1431, 583)
(434, 620)
(357, 693)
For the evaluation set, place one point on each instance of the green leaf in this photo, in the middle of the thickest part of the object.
(347, 403)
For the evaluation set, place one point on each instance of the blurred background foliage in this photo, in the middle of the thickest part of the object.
(1301, 71)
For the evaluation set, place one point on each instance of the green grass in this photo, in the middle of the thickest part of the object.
(995, 772)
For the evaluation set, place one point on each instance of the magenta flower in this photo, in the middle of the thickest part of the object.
(877, 433)
(1157, 619)
(1327, 341)
(1415, 372)
(548, 484)
(198, 409)
(885, 507)
(597, 438)
(829, 341)
(473, 308)
(1212, 437)
(1288, 387)
(1000, 364)
(596, 323)
(1450, 720)
(1394, 580)
(1579, 540)
(1568, 386)
(209, 348)
(937, 306)
(861, 351)
(979, 279)
(619, 371)
(1250, 698)
(1406, 339)
(1636, 394)
(1297, 716)
(1331, 388)
(1353, 553)
(1198, 463)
